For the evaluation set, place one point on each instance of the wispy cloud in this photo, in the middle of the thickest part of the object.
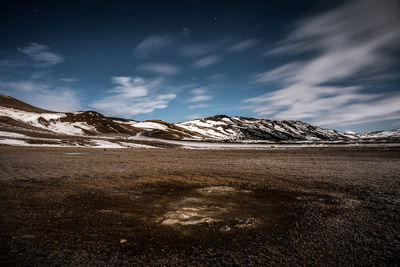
(348, 46)
(37, 86)
(199, 95)
(202, 49)
(206, 61)
(243, 45)
(129, 87)
(69, 80)
(194, 50)
(42, 94)
(153, 43)
(193, 116)
(200, 98)
(132, 96)
(198, 106)
(41, 55)
(186, 31)
(10, 63)
(160, 68)
(41, 74)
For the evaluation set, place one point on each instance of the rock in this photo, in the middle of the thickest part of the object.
(225, 228)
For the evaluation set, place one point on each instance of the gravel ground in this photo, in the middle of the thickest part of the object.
(309, 206)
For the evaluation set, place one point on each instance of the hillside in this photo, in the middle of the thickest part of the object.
(23, 119)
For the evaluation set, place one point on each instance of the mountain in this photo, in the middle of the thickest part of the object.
(222, 127)
(24, 122)
(388, 136)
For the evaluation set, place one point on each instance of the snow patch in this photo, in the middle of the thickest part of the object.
(149, 125)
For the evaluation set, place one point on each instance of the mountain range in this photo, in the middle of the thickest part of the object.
(24, 124)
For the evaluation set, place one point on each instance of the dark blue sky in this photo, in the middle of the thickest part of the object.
(334, 64)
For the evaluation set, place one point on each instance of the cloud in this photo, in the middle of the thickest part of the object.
(201, 49)
(194, 50)
(10, 63)
(242, 46)
(198, 106)
(186, 31)
(41, 55)
(206, 61)
(69, 80)
(128, 87)
(153, 43)
(41, 74)
(133, 96)
(193, 116)
(200, 98)
(160, 68)
(199, 95)
(346, 46)
(43, 95)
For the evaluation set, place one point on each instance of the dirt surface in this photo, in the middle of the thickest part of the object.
(315, 206)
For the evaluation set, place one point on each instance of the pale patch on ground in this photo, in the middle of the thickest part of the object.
(216, 189)
(76, 153)
(207, 206)
(190, 211)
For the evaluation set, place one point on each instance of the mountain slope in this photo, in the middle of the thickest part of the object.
(21, 118)
(248, 129)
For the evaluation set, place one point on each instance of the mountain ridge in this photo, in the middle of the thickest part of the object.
(20, 117)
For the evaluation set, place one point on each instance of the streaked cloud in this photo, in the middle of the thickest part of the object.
(41, 74)
(347, 46)
(194, 50)
(200, 98)
(153, 43)
(202, 49)
(129, 87)
(186, 31)
(41, 55)
(198, 106)
(199, 95)
(133, 96)
(69, 80)
(42, 94)
(193, 116)
(206, 61)
(159, 68)
(243, 45)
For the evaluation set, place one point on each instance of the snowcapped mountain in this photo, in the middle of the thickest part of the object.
(248, 129)
(22, 119)
(393, 135)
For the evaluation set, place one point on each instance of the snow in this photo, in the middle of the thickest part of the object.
(13, 135)
(71, 128)
(106, 144)
(224, 128)
(55, 125)
(206, 131)
(149, 125)
(26, 116)
(22, 136)
(280, 129)
(382, 134)
(16, 142)
(126, 144)
(13, 142)
(210, 128)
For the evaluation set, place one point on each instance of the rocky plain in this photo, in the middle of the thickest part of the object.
(172, 206)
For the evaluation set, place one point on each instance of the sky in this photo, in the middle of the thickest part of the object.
(334, 64)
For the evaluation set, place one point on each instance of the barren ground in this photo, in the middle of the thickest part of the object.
(314, 206)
